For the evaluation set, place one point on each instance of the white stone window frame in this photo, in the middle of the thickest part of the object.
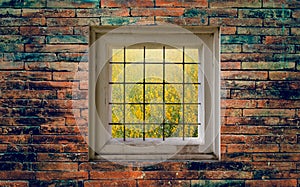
(102, 145)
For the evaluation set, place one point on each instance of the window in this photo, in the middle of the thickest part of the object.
(154, 93)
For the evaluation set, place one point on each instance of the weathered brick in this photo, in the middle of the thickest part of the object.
(10, 12)
(72, 4)
(284, 22)
(163, 183)
(4, 65)
(47, 13)
(268, 48)
(232, 4)
(240, 39)
(113, 183)
(23, 4)
(49, 85)
(66, 39)
(268, 65)
(238, 103)
(9, 30)
(291, 148)
(46, 30)
(55, 48)
(221, 12)
(231, 48)
(265, 13)
(189, 21)
(252, 148)
(235, 84)
(27, 94)
(280, 85)
(72, 21)
(22, 22)
(269, 112)
(283, 182)
(295, 31)
(83, 31)
(157, 12)
(73, 57)
(19, 175)
(125, 20)
(258, 75)
(280, 4)
(102, 12)
(236, 22)
(227, 174)
(21, 75)
(244, 57)
(232, 112)
(262, 31)
(117, 175)
(34, 57)
(62, 157)
(278, 103)
(281, 75)
(51, 66)
(203, 183)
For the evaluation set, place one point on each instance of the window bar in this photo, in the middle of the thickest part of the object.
(124, 100)
(144, 88)
(183, 83)
(164, 61)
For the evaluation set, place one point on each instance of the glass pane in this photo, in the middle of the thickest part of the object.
(173, 113)
(191, 113)
(173, 55)
(134, 113)
(117, 55)
(191, 55)
(154, 53)
(191, 93)
(117, 93)
(191, 73)
(134, 93)
(134, 131)
(135, 54)
(117, 113)
(154, 113)
(154, 73)
(153, 93)
(117, 131)
(134, 73)
(117, 72)
(153, 131)
(177, 130)
(173, 73)
(190, 130)
(173, 93)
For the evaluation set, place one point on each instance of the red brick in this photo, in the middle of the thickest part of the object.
(232, 139)
(228, 30)
(62, 139)
(278, 157)
(15, 139)
(281, 40)
(70, 75)
(269, 112)
(157, 12)
(49, 85)
(252, 148)
(66, 175)
(183, 20)
(3, 147)
(179, 3)
(19, 175)
(234, 103)
(281, 75)
(47, 129)
(22, 22)
(112, 183)
(291, 148)
(273, 165)
(243, 57)
(14, 183)
(233, 4)
(21, 75)
(233, 84)
(51, 66)
(28, 94)
(230, 65)
(72, 94)
(137, 3)
(246, 75)
(31, 30)
(56, 166)
(259, 130)
(278, 104)
(116, 175)
(281, 4)
(83, 85)
(266, 183)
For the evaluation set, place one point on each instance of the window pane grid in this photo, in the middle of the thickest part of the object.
(166, 102)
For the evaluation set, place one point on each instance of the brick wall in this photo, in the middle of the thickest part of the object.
(43, 97)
